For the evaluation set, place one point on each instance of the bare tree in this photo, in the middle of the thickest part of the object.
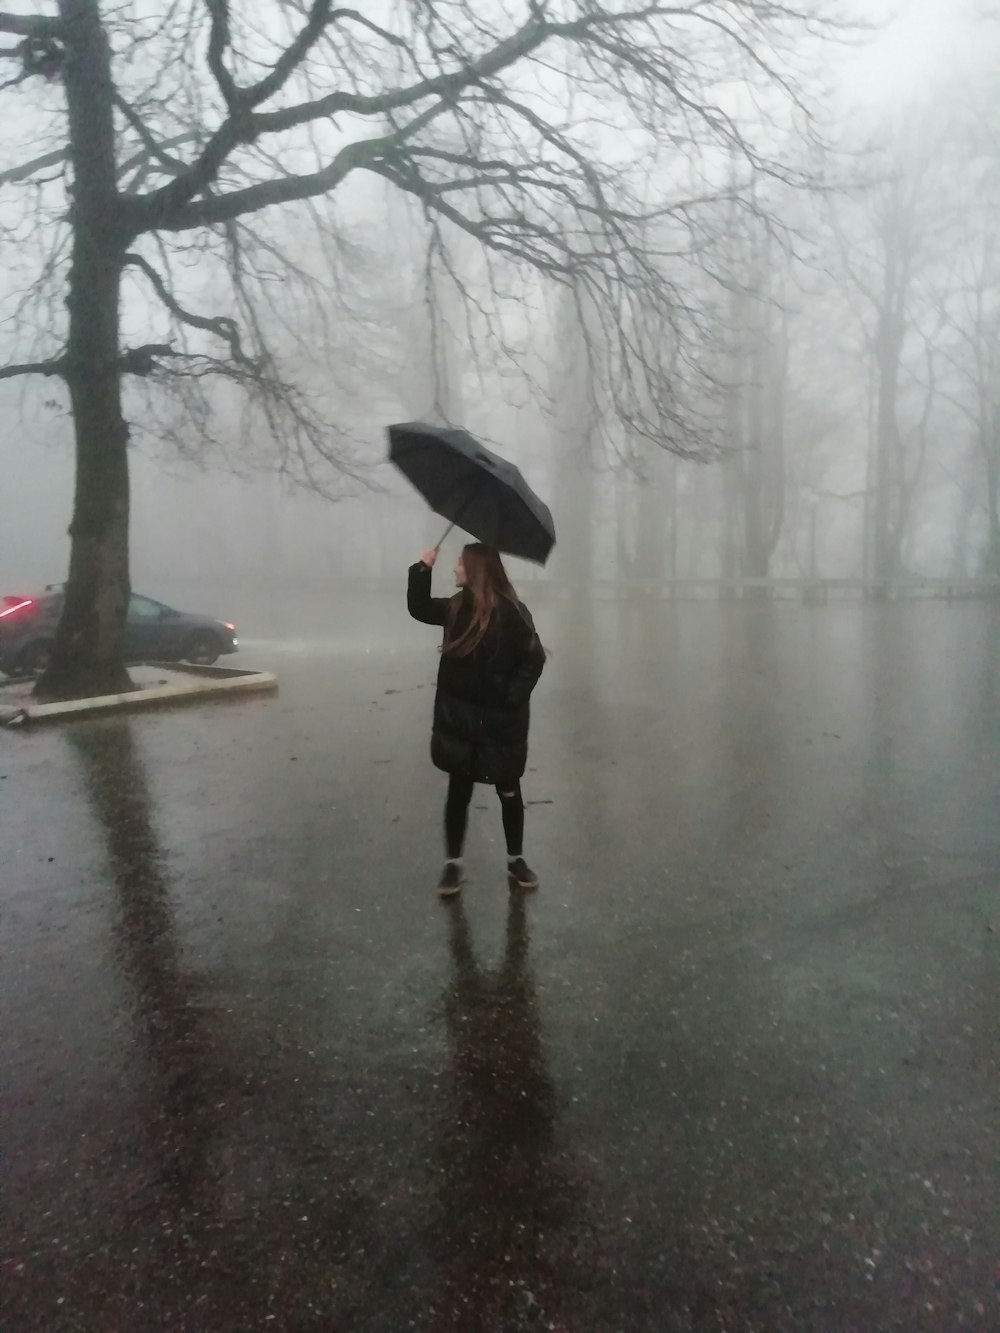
(971, 316)
(543, 135)
(647, 498)
(755, 400)
(579, 444)
(889, 237)
(965, 300)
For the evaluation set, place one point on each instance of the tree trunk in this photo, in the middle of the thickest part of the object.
(884, 563)
(734, 465)
(88, 655)
(992, 555)
(754, 320)
(868, 502)
(654, 519)
(576, 505)
(674, 521)
(732, 536)
(756, 555)
(576, 448)
(890, 337)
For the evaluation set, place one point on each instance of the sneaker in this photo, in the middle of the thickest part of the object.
(521, 875)
(451, 880)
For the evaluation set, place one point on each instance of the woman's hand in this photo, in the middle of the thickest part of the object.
(428, 558)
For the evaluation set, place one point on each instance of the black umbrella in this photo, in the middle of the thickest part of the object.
(474, 488)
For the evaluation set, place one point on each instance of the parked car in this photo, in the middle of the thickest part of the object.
(153, 633)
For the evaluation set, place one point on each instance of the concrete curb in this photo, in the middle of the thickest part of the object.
(208, 682)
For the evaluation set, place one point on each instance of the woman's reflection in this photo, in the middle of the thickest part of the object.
(506, 1198)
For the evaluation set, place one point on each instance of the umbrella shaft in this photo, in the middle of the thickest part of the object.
(461, 513)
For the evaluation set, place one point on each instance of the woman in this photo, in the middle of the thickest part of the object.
(490, 662)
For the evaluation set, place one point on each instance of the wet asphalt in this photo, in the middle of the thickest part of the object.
(735, 1066)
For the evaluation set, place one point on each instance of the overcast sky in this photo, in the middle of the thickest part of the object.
(923, 45)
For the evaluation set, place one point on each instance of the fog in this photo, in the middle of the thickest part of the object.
(853, 349)
(724, 282)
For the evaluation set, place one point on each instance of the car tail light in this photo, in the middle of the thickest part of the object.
(228, 626)
(18, 606)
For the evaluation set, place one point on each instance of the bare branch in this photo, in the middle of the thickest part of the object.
(284, 189)
(28, 169)
(292, 57)
(53, 367)
(220, 326)
(243, 127)
(218, 43)
(353, 16)
(31, 25)
(144, 164)
(154, 150)
(17, 79)
(411, 183)
(531, 35)
(144, 360)
(137, 160)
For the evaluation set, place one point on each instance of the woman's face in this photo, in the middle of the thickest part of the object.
(460, 578)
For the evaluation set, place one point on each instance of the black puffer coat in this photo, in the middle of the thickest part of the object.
(481, 710)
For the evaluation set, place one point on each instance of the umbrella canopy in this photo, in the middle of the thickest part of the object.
(473, 488)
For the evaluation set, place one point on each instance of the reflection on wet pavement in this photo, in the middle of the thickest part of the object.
(735, 1066)
(167, 1028)
(506, 1194)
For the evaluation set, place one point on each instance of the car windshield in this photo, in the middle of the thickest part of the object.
(144, 608)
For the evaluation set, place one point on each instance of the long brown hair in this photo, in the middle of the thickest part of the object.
(487, 580)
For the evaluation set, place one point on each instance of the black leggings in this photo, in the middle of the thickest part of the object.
(456, 815)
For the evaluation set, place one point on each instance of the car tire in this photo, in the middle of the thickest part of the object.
(35, 657)
(202, 649)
